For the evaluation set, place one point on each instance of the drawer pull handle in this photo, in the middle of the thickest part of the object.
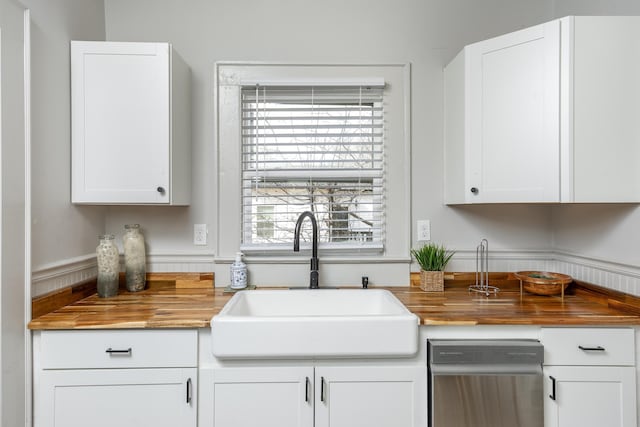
(598, 348)
(123, 352)
(553, 388)
(189, 391)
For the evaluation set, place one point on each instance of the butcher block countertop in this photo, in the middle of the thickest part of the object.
(190, 300)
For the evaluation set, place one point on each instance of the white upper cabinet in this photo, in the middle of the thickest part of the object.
(501, 113)
(601, 107)
(546, 115)
(131, 139)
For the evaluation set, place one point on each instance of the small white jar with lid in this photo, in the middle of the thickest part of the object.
(238, 273)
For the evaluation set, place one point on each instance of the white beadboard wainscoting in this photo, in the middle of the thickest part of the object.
(62, 274)
(620, 277)
(52, 277)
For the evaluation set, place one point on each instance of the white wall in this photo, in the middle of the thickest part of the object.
(12, 285)
(595, 7)
(600, 232)
(425, 33)
(61, 231)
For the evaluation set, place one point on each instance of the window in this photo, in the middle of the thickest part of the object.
(318, 149)
(379, 245)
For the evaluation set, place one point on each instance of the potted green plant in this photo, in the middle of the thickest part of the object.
(433, 259)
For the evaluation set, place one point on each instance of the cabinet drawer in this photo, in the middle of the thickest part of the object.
(588, 346)
(119, 349)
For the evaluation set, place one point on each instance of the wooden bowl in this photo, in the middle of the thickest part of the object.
(543, 282)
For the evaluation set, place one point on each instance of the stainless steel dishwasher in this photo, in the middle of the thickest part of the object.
(485, 383)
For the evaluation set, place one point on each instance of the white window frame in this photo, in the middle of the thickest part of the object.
(231, 76)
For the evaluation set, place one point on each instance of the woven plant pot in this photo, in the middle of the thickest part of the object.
(432, 281)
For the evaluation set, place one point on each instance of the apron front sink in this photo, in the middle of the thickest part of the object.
(314, 324)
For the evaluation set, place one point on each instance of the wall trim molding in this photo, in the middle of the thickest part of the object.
(62, 267)
(61, 274)
(507, 254)
(617, 276)
(623, 277)
(590, 262)
(64, 273)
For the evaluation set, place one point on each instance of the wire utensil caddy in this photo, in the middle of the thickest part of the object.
(482, 271)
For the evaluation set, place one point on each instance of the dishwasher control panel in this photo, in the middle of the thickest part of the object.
(485, 352)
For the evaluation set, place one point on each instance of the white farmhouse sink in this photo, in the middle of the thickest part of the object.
(315, 324)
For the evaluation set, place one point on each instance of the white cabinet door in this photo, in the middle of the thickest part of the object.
(263, 396)
(116, 397)
(122, 131)
(603, 106)
(590, 396)
(546, 114)
(373, 396)
(513, 107)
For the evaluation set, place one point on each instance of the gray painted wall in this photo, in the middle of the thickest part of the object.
(12, 287)
(607, 233)
(425, 33)
(60, 230)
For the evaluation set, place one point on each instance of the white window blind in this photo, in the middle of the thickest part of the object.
(317, 148)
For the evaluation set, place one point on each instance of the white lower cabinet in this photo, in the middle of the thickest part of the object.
(590, 377)
(590, 396)
(115, 378)
(263, 396)
(370, 396)
(118, 397)
(320, 396)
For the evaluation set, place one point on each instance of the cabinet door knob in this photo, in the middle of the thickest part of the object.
(474, 190)
(160, 190)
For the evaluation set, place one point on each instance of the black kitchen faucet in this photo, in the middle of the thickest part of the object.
(313, 277)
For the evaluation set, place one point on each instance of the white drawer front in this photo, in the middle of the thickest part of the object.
(83, 349)
(588, 346)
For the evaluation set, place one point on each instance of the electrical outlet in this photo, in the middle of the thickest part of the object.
(424, 230)
(200, 234)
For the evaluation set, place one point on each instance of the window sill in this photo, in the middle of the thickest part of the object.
(323, 250)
